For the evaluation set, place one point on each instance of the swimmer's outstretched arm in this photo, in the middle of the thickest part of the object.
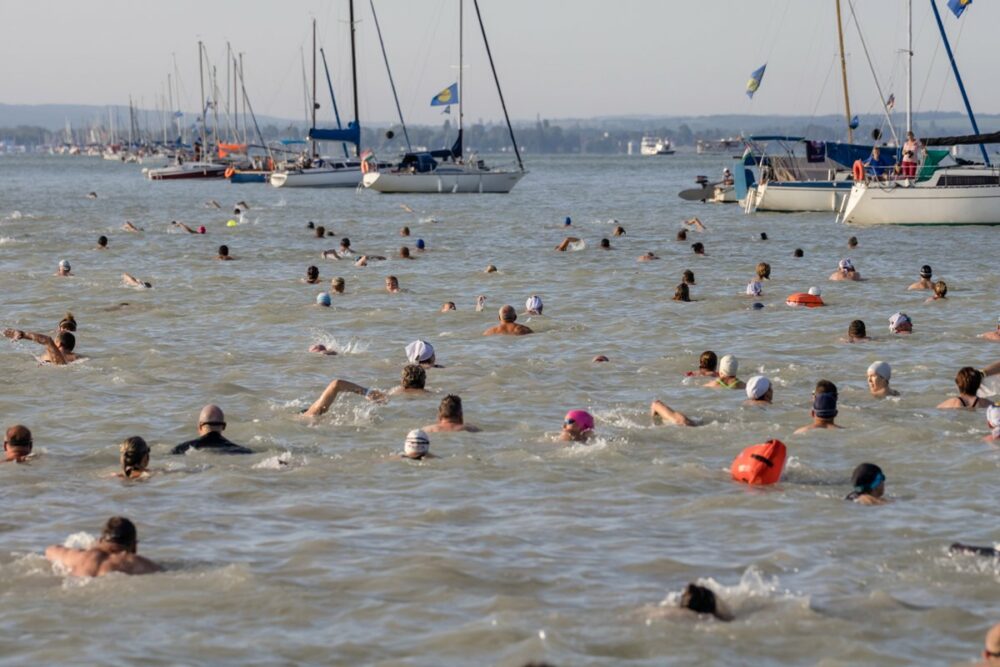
(335, 387)
(660, 409)
(185, 227)
(565, 243)
(55, 354)
(992, 369)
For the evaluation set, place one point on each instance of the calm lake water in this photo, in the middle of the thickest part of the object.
(320, 548)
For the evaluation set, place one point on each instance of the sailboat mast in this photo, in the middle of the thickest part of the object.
(245, 103)
(461, 74)
(354, 72)
(315, 153)
(909, 65)
(201, 82)
(843, 72)
(503, 104)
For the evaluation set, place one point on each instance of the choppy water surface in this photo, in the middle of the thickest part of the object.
(510, 546)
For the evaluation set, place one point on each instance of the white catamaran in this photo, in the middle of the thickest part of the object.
(447, 170)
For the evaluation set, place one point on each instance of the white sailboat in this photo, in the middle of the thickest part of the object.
(447, 171)
(317, 172)
(961, 195)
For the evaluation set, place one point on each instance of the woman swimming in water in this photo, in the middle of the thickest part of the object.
(869, 485)
(134, 458)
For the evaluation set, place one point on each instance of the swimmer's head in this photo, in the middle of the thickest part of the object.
(312, 274)
(568, 221)
(708, 361)
(345, 243)
(508, 314)
(852, 242)
(448, 305)
(405, 231)
(310, 225)
(223, 251)
(420, 244)
(698, 247)
(17, 443)
(763, 236)
(869, 479)
(968, 380)
(798, 253)
(338, 285)
(391, 283)
(764, 270)
(940, 288)
(880, 369)
(65, 341)
(682, 235)
(699, 599)
(450, 408)
(605, 243)
(600, 359)
(320, 231)
(729, 366)
(120, 532)
(814, 291)
(64, 266)
(211, 418)
(757, 305)
(619, 231)
(825, 400)
(577, 423)
(925, 271)
(323, 299)
(856, 329)
(134, 455)
(413, 377)
(67, 323)
(900, 323)
(533, 306)
(688, 276)
(420, 352)
(417, 444)
(846, 265)
(490, 269)
(759, 388)
(404, 252)
(102, 241)
(754, 288)
(202, 230)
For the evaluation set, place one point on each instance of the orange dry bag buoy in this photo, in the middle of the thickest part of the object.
(760, 464)
(859, 170)
(229, 172)
(804, 299)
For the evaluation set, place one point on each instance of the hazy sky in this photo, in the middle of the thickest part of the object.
(565, 58)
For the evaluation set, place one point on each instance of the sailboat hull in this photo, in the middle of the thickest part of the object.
(317, 178)
(443, 182)
(186, 171)
(928, 203)
(794, 196)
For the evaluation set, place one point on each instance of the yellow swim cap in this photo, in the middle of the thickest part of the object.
(231, 223)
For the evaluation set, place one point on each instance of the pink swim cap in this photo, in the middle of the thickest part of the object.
(201, 230)
(582, 419)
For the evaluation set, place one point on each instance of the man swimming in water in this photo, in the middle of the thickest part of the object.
(181, 225)
(578, 426)
(660, 410)
(337, 387)
(63, 269)
(17, 444)
(708, 364)
(967, 380)
(132, 281)
(992, 335)
(845, 271)
(824, 409)
(392, 285)
(224, 253)
(925, 281)
(648, 257)
(869, 485)
(58, 351)
(857, 332)
(760, 391)
(508, 324)
(565, 243)
(129, 227)
(879, 374)
(211, 424)
(114, 552)
(702, 600)
(450, 417)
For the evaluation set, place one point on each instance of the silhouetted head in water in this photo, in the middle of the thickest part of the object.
(698, 247)
(102, 241)
(701, 600)
(688, 276)
(65, 341)
(682, 235)
(312, 274)
(320, 231)
(310, 225)
(798, 253)
(605, 243)
(223, 251)
(121, 532)
(857, 329)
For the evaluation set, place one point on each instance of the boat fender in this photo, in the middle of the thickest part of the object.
(804, 299)
(760, 464)
(229, 172)
(858, 170)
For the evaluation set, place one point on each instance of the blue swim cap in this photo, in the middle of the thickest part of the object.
(568, 221)
(420, 244)
(757, 305)
(323, 299)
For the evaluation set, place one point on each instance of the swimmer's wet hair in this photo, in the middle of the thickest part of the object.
(857, 329)
(414, 377)
(699, 599)
(708, 361)
(133, 451)
(968, 380)
(763, 270)
(66, 340)
(68, 322)
(119, 530)
(450, 408)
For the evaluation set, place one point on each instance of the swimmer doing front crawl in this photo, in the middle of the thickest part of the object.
(58, 350)
(114, 552)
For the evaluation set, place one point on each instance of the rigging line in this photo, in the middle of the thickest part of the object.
(392, 84)
(781, 23)
(819, 98)
(800, 85)
(948, 75)
(871, 66)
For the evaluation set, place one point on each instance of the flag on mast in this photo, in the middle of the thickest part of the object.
(755, 78)
(446, 97)
(958, 6)
(890, 103)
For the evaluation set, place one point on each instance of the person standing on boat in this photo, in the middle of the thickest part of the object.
(910, 152)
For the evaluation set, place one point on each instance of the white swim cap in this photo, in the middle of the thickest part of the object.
(419, 351)
(757, 386)
(814, 291)
(64, 265)
(880, 368)
(728, 366)
(846, 264)
(533, 305)
(417, 443)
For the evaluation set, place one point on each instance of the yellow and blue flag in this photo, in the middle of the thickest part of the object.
(958, 6)
(447, 96)
(755, 78)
